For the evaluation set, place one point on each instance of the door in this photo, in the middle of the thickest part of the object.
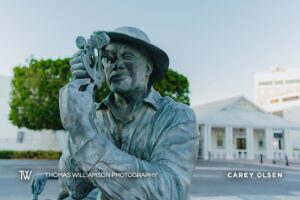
(241, 143)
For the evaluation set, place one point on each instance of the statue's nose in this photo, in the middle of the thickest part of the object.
(119, 64)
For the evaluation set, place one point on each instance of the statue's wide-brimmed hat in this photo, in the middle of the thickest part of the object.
(160, 59)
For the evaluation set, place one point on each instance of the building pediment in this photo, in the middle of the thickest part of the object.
(239, 112)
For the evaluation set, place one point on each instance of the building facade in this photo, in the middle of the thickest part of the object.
(277, 89)
(236, 128)
(278, 92)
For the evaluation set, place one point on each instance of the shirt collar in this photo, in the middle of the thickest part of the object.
(153, 98)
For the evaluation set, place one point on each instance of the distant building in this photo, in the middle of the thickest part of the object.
(13, 138)
(236, 128)
(277, 89)
(278, 92)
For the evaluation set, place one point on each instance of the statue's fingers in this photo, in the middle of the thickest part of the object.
(77, 66)
(77, 53)
(75, 60)
(80, 74)
(104, 60)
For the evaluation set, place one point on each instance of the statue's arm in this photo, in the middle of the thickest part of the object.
(173, 159)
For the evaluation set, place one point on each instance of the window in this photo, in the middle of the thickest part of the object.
(294, 98)
(265, 83)
(220, 142)
(292, 81)
(279, 82)
(20, 137)
(241, 143)
(260, 143)
(220, 139)
(278, 135)
(274, 101)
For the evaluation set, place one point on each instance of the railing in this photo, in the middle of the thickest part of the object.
(240, 154)
(218, 154)
(279, 154)
(296, 154)
(258, 154)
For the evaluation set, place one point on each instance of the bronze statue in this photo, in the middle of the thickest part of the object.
(133, 129)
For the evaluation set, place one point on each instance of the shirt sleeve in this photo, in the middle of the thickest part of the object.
(173, 158)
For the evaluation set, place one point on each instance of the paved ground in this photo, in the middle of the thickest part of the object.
(210, 181)
(292, 164)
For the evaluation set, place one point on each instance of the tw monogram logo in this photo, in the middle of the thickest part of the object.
(25, 174)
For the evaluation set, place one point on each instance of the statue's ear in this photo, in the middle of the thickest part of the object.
(149, 66)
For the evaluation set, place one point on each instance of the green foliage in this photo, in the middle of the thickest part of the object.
(51, 155)
(174, 85)
(35, 92)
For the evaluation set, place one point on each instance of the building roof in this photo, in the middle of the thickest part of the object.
(239, 112)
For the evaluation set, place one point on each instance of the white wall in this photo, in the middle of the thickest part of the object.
(278, 88)
(7, 130)
(293, 114)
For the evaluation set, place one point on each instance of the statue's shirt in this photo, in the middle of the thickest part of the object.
(160, 137)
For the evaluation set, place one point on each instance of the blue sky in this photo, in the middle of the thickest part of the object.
(218, 45)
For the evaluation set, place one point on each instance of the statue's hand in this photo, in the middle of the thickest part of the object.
(85, 64)
(77, 108)
(87, 61)
(38, 184)
(77, 67)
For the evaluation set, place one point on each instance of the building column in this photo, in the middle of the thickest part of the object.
(269, 138)
(249, 143)
(206, 129)
(208, 139)
(204, 147)
(287, 143)
(229, 146)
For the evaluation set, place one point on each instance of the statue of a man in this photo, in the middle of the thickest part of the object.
(133, 129)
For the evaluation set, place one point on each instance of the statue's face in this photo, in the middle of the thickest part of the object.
(127, 68)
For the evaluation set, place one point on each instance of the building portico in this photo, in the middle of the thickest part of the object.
(237, 129)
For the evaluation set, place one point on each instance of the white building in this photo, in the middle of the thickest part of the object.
(278, 91)
(236, 128)
(13, 138)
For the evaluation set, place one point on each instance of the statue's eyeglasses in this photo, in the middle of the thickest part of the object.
(110, 56)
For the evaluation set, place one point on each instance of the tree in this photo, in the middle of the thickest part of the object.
(174, 85)
(35, 92)
(34, 97)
